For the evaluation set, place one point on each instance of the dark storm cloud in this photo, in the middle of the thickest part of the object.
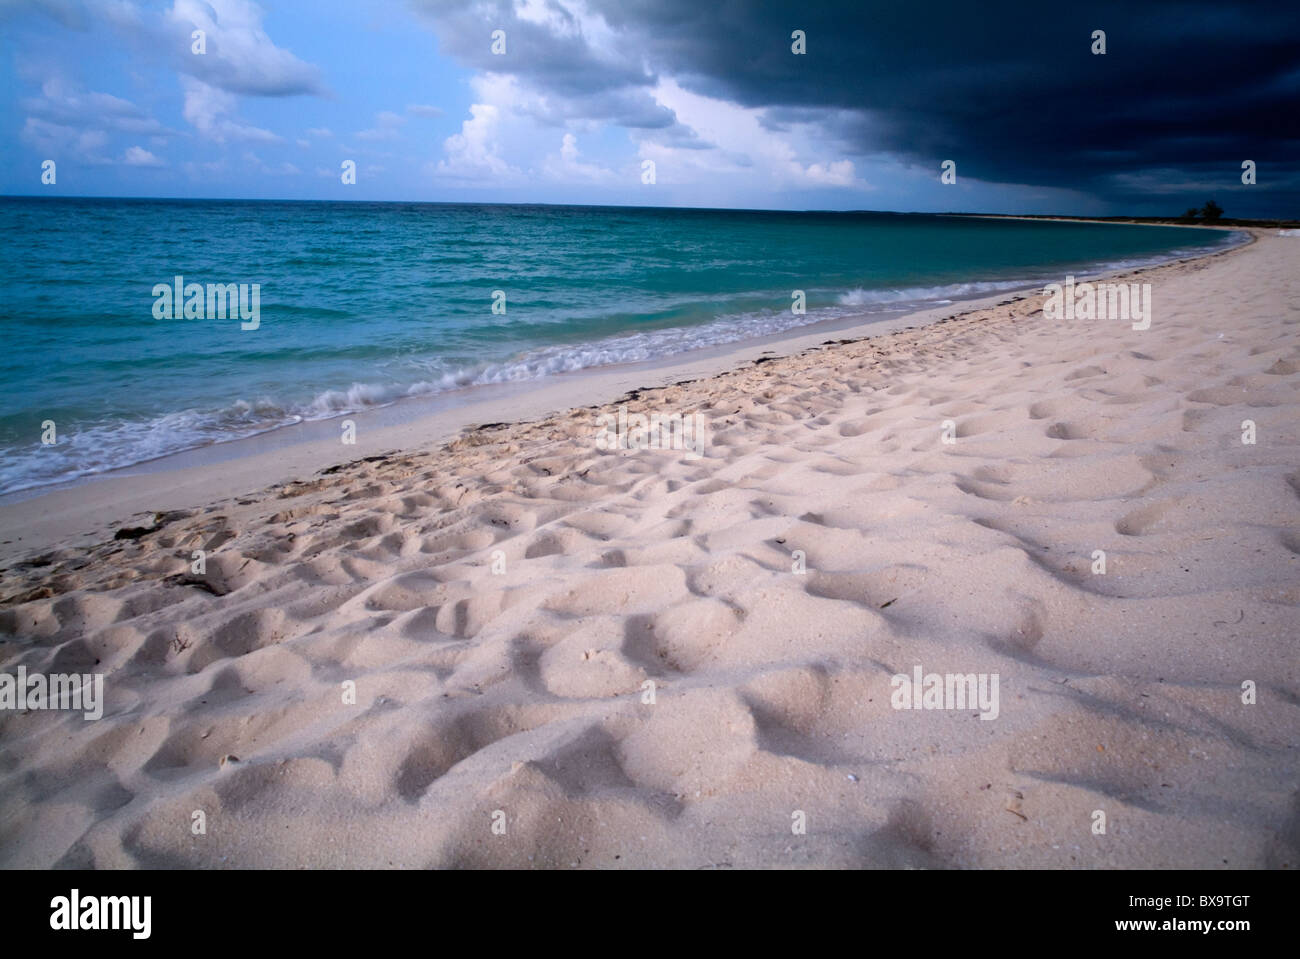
(1011, 92)
(554, 56)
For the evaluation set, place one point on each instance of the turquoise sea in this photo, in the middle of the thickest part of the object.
(363, 304)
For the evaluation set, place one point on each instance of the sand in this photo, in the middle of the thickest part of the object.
(568, 656)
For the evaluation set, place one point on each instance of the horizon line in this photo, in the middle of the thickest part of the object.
(619, 206)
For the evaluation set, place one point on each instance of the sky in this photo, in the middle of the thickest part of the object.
(580, 101)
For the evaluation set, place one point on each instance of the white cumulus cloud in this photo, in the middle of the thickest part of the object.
(139, 156)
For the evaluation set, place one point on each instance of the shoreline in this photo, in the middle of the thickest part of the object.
(1069, 508)
(87, 508)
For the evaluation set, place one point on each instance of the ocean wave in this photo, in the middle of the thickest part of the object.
(924, 294)
(103, 447)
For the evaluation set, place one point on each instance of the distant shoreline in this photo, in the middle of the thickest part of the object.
(1222, 223)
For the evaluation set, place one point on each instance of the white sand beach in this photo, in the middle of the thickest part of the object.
(504, 605)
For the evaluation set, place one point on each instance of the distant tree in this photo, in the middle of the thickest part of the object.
(1211, 210)
(1191, 214)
